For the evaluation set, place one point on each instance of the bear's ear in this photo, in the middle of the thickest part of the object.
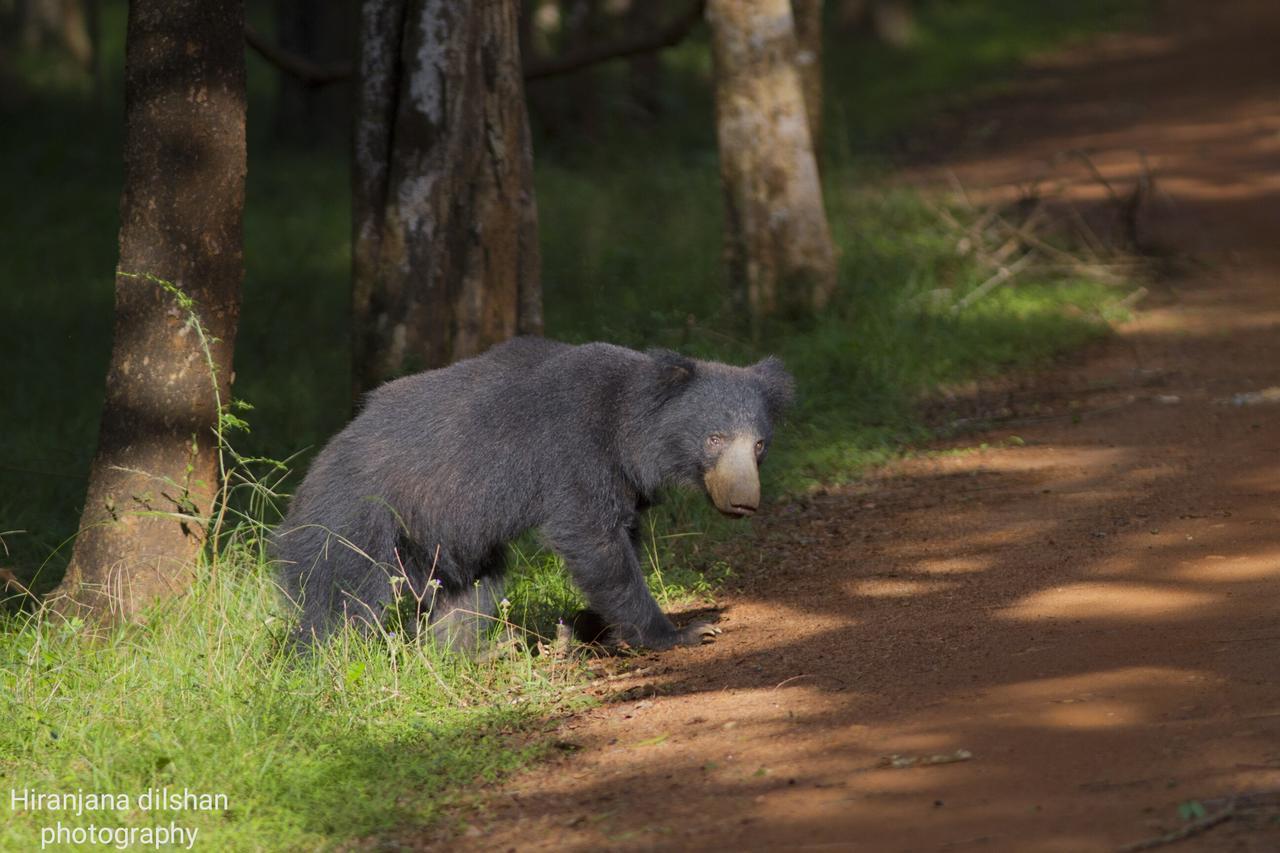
(673, 372)
(778, 386)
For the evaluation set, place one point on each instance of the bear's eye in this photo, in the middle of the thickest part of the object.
(715, 440)
(759, 447)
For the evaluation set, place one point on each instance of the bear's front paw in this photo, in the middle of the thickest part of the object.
(697, 634)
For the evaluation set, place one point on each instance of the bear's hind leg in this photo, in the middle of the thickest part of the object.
(458, 621)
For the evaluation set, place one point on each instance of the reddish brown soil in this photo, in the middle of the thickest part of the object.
(1091, 617)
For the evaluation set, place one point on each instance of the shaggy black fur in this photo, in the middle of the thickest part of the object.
(421, 493)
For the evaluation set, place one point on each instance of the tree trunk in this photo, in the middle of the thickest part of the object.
(808, 17)
(58, 22)
(323, 31)
(446, 244)
(892, 21)
(777, 241)
(584, 26)
(644, 72)
(154, 477)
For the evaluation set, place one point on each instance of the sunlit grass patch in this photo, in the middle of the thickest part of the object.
(366, 734)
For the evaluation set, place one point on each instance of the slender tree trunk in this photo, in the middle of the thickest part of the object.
(808, 17)
(58, 22)
(584, 25)
(153, 480)
(644, 72)
(323, 31)
(892, 21)
(93, 26)
(446, 251)
(777, 241)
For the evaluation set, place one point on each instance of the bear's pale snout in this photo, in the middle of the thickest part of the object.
(733, 482)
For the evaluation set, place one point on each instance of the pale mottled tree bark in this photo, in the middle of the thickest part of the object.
(808, 18)
(777, 241)
(154, 477)
(446, 252)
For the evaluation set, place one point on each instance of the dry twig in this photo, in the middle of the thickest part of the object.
(1194, 827)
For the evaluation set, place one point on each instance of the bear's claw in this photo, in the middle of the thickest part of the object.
(699, 633)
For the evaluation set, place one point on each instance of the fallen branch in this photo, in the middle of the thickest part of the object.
(1002, 275)
(1194, 827)
(1083, 156)
(994, 233)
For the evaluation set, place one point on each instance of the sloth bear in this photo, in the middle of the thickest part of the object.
(418, 497)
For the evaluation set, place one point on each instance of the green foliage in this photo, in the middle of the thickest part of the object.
(367, 734)
(963, 50)
(1192, 810)
(889, 337)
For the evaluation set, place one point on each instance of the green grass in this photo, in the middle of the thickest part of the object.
(364, 736)
(373, 735)
(963, 50)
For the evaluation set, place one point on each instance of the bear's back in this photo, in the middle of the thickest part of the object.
(505, 429)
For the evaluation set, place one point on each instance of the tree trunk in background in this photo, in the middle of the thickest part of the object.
(777, 241)
(154, 477)
(644, 72)
(893, 21)
(58, 22)
(323, 31)
(583, 26)
(446, 243)
(808, 18)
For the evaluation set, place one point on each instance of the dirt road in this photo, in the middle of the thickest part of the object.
(1064, 641)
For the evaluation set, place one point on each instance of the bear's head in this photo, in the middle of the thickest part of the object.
(716, 424)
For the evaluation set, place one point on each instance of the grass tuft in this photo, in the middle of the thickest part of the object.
(366, 734)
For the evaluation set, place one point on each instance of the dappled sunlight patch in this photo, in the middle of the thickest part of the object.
(1115, 482)
(1263, 478)
(1059, 461)
(1216, 189)
(897, 587)
(1217, 568)
(951, 566)
(1110, 49)
(831, 819)
(1094, 700)
(1109, 600)
(916, 743)
(1100, 714)
(991, 529)
(802, 623)
(1091, 495)
(794, 812)
(1208, 321)
(1119, 565)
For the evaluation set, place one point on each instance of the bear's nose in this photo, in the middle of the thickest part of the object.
(733, 482)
